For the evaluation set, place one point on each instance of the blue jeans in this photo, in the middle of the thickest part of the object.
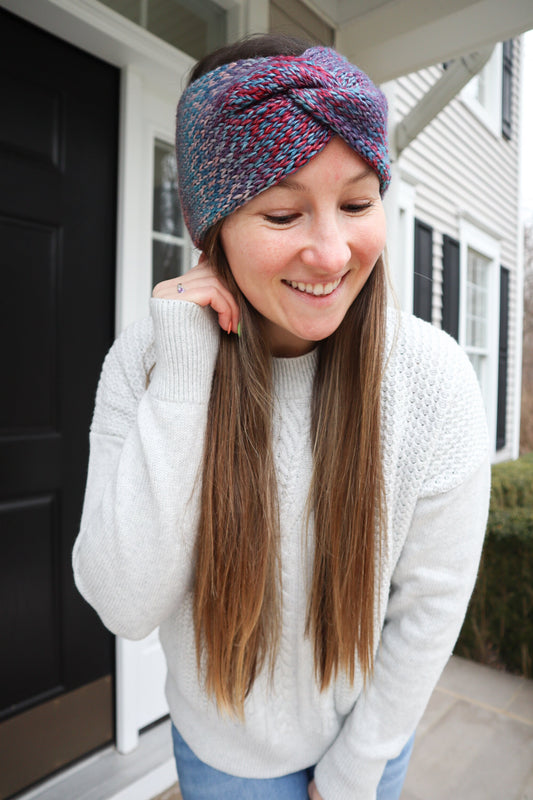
(198, 781)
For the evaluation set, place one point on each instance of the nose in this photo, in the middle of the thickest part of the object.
(326, 247)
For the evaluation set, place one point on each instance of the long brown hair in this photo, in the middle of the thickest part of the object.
(237, 584)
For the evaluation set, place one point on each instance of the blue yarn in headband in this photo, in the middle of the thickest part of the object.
(244, 126)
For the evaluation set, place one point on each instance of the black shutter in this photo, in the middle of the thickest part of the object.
(423, 278)
(450, 286)
(503, 358)
(507, 88)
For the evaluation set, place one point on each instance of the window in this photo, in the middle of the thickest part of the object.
(476, 340)
(194, 26)
(479, 311)
(483, 94)
(171, 246)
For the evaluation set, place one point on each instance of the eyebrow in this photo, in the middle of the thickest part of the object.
(294, 185)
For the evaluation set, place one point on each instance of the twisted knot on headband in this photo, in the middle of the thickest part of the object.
(243, 127)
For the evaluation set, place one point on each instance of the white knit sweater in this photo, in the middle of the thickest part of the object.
(133, 556)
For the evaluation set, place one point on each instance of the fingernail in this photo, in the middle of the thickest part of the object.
(229, 329)
(239, 329)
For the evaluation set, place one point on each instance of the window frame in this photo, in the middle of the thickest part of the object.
(489, 113)
(190, 254)
(474, 238)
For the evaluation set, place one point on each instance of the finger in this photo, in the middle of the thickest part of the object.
(203, 289)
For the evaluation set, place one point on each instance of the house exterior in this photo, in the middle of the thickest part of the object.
(89, 223)
(457, 257)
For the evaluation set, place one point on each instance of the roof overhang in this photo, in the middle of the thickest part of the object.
(389, 38)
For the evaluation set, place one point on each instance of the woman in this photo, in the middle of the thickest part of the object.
(298, 491)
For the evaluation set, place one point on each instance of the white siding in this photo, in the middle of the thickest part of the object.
(462, 170)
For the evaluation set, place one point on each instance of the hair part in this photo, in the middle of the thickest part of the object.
(256, 45)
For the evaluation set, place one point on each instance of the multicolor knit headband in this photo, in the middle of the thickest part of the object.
(244, 126)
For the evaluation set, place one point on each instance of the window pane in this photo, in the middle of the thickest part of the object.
(131, 9)
(167, 261)
(477, 300)
(479, 363)
(194, 26)
(167, 216)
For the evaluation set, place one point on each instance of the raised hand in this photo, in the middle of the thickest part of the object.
(202, 286)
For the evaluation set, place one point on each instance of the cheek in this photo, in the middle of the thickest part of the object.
(255, 262)
(371, 242)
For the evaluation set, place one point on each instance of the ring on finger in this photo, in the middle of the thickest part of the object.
(180, 287)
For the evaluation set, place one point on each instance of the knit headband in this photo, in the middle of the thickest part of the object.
(244, 126)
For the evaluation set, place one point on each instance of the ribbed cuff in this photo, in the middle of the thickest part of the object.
(186, 345)
(340, 776)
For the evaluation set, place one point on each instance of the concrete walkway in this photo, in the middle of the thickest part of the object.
(475, 741)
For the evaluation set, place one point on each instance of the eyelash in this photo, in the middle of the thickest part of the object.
(282, 220)
(286, 219)
(354, 208)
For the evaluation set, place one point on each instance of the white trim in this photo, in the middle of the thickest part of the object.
(151, 784)
(405, 244)
(256, 16)
(460, 73)
(473, 238)
(399, 203)
(480, 224)
(127, 728)
(168, 238)
(131, 290)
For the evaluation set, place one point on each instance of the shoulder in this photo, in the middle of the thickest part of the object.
(426, 361)
(421, 348)
(432, 402)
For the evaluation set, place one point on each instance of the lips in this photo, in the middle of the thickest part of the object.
(316, 289)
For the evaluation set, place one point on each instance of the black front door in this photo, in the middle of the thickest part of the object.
(58, 168)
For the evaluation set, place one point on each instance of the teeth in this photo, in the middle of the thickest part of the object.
(315, 289)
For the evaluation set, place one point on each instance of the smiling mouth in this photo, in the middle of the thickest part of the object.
(316, 289)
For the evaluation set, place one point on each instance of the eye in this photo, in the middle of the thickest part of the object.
(355, 208)
(280, 219)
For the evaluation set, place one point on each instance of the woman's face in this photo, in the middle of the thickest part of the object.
(301, 251)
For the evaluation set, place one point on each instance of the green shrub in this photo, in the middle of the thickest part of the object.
(512, 484)
(498, 629)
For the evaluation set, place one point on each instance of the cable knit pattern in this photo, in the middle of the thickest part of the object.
(133, 556)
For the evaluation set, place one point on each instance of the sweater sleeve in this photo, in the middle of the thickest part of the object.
(430, 589)
(132, 557)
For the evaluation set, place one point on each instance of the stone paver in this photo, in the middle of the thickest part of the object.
(475, 741)
(171, 794)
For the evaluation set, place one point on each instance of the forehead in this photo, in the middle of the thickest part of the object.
(336, 166)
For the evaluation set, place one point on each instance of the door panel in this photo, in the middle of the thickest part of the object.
(58, 160)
